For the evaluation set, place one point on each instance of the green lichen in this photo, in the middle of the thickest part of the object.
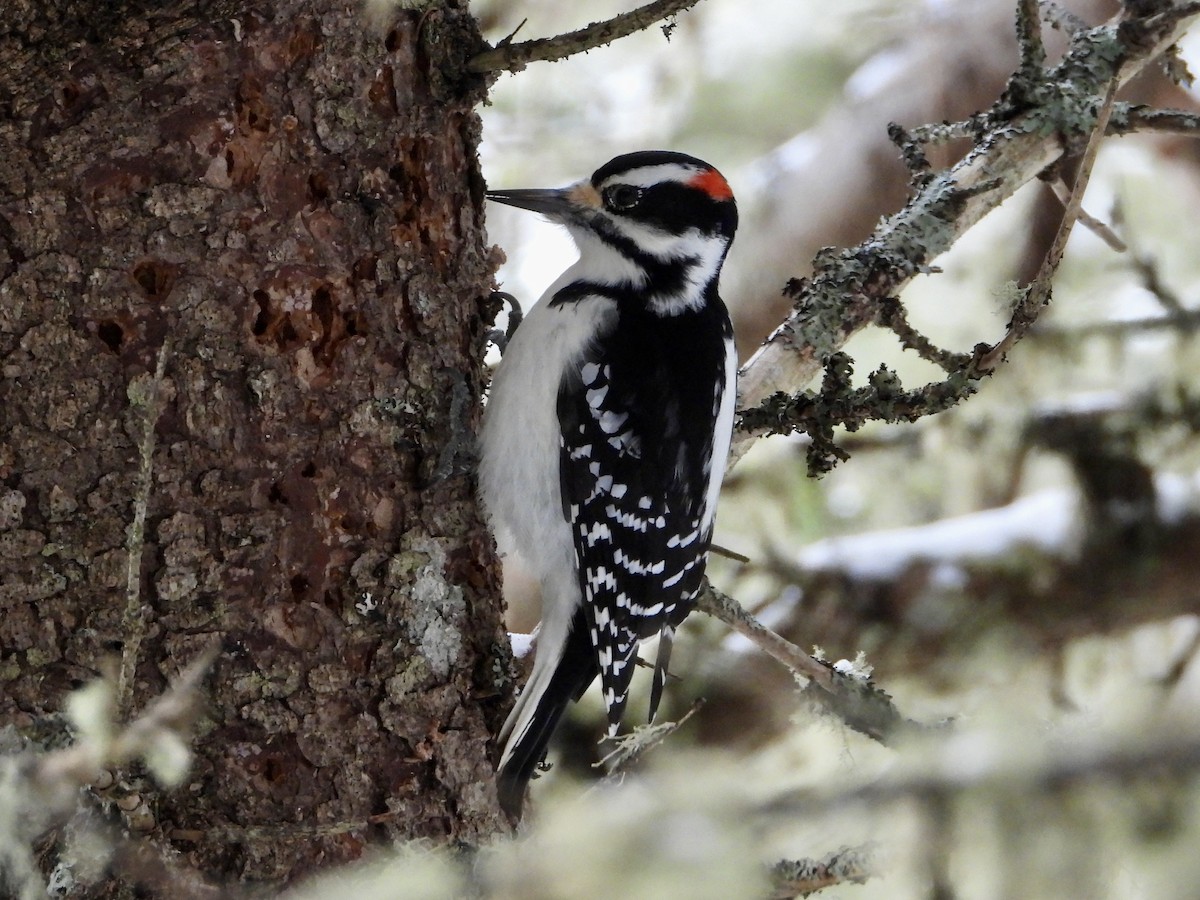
(407, 680)
(403, 568)
(1066, 99)
(839, 404)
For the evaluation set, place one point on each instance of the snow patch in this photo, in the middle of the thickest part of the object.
(1045, 521)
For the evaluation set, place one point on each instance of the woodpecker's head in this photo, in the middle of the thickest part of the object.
(655, 222)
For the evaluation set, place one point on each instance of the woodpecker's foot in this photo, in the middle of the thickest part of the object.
(515, 315)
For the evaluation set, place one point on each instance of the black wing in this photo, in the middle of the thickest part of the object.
(637, 424)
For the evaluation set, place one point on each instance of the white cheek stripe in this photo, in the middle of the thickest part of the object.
(708, 257)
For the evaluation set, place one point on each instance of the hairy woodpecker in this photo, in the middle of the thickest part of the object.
(607, 430)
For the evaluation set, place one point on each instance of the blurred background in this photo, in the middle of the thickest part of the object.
(1027, 564)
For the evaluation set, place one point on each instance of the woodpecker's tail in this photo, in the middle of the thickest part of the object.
(666, 640)
(562, 670)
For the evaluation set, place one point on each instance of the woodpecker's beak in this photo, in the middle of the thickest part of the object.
(561, 205)
(547, 202)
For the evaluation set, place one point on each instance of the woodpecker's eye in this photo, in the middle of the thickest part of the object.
(622, 197)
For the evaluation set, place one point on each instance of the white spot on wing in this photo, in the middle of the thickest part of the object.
(611, 422)
(595, 396)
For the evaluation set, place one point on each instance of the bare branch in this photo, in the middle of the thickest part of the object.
(723, 607)
(1149, 753)
(1096, 226)
(856, 701)
(514, 57)
(1186, 324)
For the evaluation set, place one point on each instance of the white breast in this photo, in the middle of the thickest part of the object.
(519, 445)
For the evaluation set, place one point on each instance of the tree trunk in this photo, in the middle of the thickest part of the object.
(279, 208)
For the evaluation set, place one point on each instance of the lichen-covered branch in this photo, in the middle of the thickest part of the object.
(838, 402)
(1029, 38)
(133, 621)
(1135, 119)
(166, 719)
(36, 791)
(1150, 753)
(1038, 293)
(803, 877)
(633, 746)
(1014, 143)
(514, 57)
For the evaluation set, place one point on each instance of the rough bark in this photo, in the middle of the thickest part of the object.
(282, 204)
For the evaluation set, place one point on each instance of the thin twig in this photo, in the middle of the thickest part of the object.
(858, 702)
(1186, 323)
(723, 607)
(1029, 38)
(133, 622)
(1153, 283)
(1038, 294)
(514, 57)
(631, 747)
(943, 132)
(1127, 119)
(1063, 19)
(892, 315)
(1147, 271)
(740, 558)
(1097, 227)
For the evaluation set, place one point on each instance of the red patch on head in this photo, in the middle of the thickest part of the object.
(712, 183)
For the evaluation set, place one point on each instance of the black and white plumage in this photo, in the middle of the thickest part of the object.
(607, 431)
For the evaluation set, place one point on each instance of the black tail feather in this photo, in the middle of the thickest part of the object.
(577, 669)
(666, 641)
